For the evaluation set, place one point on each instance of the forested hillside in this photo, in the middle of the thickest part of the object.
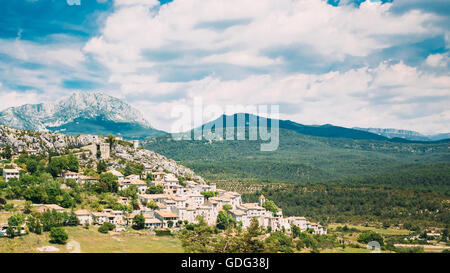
(329, 179)
(301, 158)
(356, 204)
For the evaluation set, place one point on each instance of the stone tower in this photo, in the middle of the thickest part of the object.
(262, 199)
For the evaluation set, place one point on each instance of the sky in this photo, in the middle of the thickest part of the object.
(350, 63)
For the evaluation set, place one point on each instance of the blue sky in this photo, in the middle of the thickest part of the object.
(349, 63)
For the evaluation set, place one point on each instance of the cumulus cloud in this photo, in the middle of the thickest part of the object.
(330, 31)
(389, 95)
(46, 54)
(10, 98)
(437, 60)
(141, 44)
(241, 52)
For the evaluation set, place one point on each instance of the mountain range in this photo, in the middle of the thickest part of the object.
(326, 130)
(405, 134)
(82, 112)
(308, 153)
(100, 114)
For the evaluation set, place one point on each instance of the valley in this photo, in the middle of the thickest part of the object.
(325, 189)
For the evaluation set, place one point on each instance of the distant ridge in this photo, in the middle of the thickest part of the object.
(81, 112)
(405, 134)
(331, 131)
(326, 130)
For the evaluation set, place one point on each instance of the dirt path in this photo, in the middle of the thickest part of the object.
(74, 246)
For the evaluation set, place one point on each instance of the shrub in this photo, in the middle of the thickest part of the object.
(58, 235)
(103, 229)
(367, 237)
(106, 227)
(109, 226)
(163, 232)
(138, 222)
(9, 207)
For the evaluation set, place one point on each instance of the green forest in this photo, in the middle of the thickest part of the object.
(329, 179)
(301, 158)
(332, 203)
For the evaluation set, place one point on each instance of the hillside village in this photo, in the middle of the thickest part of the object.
(164, 193)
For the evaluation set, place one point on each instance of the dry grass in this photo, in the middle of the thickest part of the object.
(92, 241)
(382, 231)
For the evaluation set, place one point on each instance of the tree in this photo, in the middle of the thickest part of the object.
(209, 194)
(31, 164)
(155, 189)
(227, 207)
(170, 223)
(197, 238)
(9, 207)
(103, 229)
(128, 170)
(27, 207)
(16, 220)
(73, 219)
(106, 227)
(37, 227)
(10, 232)
(67, 201)
(138, 222)
(133, 168)
(72, 162)
(111, 139)
(109, 225)
(224, 220)
(307, 240)
(101, 166)
(7, 152)
(58, 235)
(31, 223)
(249, 241)
(152, 205)
(150, 177)
(295, 231)
(369, 236)
(57, 165)
(270, 206)
(107, 183)
(15, 223)
(279, 242)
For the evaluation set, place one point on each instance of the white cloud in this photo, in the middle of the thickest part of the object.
(12, 98)
(239, 33)
(142, 44)
(68, 55)
(333, 32)
(390, 95)
(241, 59)
(437, 60)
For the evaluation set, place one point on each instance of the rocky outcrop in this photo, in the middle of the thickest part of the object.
(46, 142)
(39, 117)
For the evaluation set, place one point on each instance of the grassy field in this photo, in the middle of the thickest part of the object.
(348, 250)
(91, 241)
(382, 231)
(4, 215)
